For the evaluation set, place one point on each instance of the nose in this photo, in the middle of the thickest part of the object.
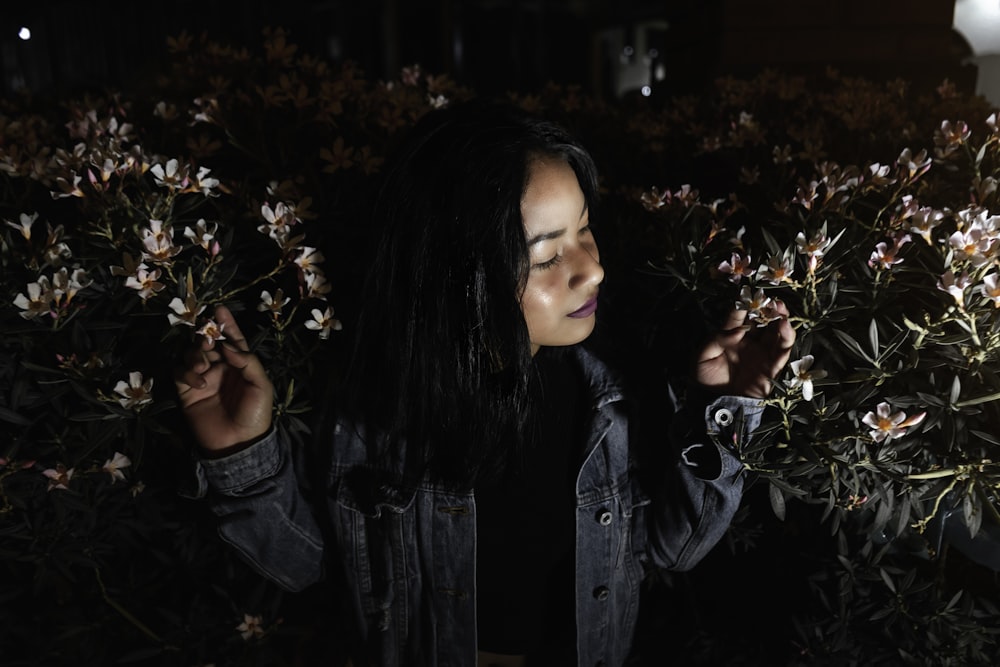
(587, 269)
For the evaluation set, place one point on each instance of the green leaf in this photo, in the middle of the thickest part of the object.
(873, 338)
(883, 512)
(956, 391)
(972, 514)
(976, 401)
(772, 243)
(852, 345)
(980, 153)
(777, 501)
(13, 417)
(930, 399)
(887, 579)
(985, 436)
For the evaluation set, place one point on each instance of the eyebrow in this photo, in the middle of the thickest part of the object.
(548, 236)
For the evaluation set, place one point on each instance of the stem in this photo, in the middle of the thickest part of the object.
(256, 281)
(139, 625)
(921, 525)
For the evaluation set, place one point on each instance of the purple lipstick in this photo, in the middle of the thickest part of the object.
(586, 310)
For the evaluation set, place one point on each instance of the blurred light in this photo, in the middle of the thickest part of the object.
(628, 51)
(24, 34)
(646, 91)
(978, 21)
(653, 53)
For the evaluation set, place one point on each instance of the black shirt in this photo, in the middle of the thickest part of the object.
(526, 529)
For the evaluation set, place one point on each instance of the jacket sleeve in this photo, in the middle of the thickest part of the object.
(263, 513)
(694, 502)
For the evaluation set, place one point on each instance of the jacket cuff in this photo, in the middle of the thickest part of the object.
(250, 465)
(731, 420)
(714, 452)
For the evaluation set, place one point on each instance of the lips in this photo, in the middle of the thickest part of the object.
(587, 309)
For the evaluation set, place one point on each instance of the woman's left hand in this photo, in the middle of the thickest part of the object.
(743, 359)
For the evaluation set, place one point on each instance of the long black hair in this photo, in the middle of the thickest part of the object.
(442, 365)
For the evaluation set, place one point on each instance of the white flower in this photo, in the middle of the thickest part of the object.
(25, 224)
(212, 330)
(135, 393)
(309, 259)
(158, 244)
(879, 174)
(887, 425)
(38, 301)
(954, 285)
(759, 306)
(814, 247)
(912, 166)
(250, 627)
(317, 286)
(279, 220)
(68, 189)
(273, 304)
(655, 199)
(130, 266)
(737, 267)
(777, 270)
(204, 183)
(55, 249)
(324, 322)
(991, 290)
(114, 465)
(202, 233)
(68, 284)
(803, 377)
(186, 312)
(174, 177)
(886, 256)
(972, 245)
(145, 282)
(59, 477)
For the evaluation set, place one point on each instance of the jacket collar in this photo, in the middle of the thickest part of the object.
(604, 384)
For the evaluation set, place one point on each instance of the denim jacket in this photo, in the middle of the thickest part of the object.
(409, 553)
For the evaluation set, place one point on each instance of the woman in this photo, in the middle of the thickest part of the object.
(484, 502)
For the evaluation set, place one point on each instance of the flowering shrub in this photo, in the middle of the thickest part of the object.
(886, 417)
(242, 179)
(125, 221)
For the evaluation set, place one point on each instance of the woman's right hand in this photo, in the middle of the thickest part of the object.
(223, 388)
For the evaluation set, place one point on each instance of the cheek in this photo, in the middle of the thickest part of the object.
(536, 303)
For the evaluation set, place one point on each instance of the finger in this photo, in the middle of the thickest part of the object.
(781, 329)
(737, 318)
(192, 376)
(779, 350)
(246, 363)
(785, 335)
(728, 338)
(233, 355)
(224, 318)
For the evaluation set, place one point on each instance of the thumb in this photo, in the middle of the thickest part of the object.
(235, 350)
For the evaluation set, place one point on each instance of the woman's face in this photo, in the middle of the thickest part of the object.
(560, 298)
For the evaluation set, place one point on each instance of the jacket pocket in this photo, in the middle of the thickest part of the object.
(369, 522)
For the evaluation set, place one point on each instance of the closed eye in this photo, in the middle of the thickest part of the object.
(548, 264)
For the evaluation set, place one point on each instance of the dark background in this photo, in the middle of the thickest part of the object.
(610, 48)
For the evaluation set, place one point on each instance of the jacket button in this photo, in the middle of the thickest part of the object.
(601, 593)
(723, 417)
(604, 517)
